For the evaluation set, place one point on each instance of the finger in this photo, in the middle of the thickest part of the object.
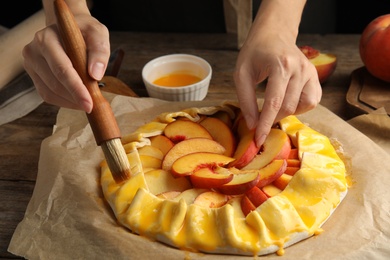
(64, 79)
(273, 100)
(44, 80)
(246, 94)
(291, 99)
(49, 88)
(98, 48)
(51, 97)
(310, 96)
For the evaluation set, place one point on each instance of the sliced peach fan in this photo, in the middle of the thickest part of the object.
(224, 195)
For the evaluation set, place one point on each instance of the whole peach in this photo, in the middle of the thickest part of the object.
(374, 47)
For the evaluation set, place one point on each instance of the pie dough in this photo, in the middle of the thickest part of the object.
(296, 213)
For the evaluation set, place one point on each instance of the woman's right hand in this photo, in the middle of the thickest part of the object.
(51, 70)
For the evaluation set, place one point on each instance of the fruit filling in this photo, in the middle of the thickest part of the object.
(207, 171)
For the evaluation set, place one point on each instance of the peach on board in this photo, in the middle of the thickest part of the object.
(374, 47)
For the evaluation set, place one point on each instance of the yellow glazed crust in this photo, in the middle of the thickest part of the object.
(295, 214)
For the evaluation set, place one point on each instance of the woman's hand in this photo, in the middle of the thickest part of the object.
(51, 70)
(292, 84)
(270, 53)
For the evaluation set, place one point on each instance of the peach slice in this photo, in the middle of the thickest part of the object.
(293, 162)
(271, 190)
(277, 145)
(246, 148)
(211, 199)
(309, 51)
(271, 172)
(160, 181)
(161, 142)
(237, 119)
(207, 178)
(189, 196)
(294, 154)
(188, 146)
(150, 162)
(180, 130)
(291, 170)
(189, 163)
(256, 196)
(247, 205)
(224, 117)
(282, 181)
(168, 195)
(151, 151)
(241, 183)
(324, 63)
(220, 133)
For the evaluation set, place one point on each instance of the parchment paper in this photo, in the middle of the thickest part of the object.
(67, 217)
(376, 125)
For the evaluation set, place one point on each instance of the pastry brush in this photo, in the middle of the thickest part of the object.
(101, 119)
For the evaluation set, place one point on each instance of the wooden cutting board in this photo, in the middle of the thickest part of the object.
(114, 85)
(368, 93)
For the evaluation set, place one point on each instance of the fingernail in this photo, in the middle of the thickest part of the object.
(98, 70)
(260, 140)
(87, 106)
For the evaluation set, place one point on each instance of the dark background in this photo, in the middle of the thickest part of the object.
(320, 16)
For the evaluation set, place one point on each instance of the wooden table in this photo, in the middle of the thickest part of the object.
(20, 140)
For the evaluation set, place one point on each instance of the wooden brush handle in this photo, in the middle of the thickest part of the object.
(101, 119)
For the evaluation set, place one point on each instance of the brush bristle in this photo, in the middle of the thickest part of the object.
(116, 159)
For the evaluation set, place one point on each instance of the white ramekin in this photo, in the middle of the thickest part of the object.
(172, 63)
